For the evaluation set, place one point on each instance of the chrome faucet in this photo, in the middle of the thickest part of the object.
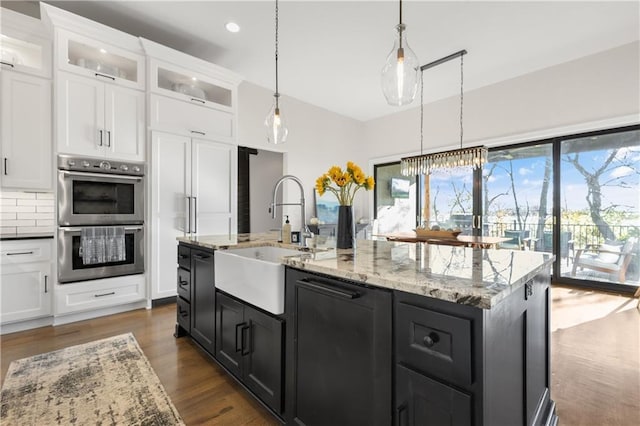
(304, 229)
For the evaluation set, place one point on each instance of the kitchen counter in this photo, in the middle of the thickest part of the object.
(222, 242)
(470, 276)
(31, 236)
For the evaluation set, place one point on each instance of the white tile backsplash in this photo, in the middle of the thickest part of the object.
(26, 212)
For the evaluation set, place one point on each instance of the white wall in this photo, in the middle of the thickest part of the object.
(264, 169)
(317, 140)
(571, 97)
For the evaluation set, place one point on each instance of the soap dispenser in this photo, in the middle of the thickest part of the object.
(286, 231)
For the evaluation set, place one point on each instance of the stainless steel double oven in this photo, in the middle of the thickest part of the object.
(98, 193)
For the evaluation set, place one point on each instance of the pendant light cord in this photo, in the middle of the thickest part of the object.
(461, 95)
(277, 94)
(421, 109)
(400, 28)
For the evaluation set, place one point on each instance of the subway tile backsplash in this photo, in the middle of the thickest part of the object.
(26, 212)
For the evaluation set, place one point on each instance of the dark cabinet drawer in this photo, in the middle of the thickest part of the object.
(184, 284)
(184, 314)
(435, 343)
(184, 257)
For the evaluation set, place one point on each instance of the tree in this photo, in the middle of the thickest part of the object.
(620, 157)
(542, 211)
(488, 201)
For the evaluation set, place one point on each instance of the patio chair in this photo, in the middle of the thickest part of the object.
(517, 239)
(611, 259)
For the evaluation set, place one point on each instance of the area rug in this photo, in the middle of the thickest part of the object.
(106, 382)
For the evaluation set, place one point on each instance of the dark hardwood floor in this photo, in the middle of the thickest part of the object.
(595, 361)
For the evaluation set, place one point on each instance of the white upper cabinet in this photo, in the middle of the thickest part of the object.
(25, 45)
(99, 119)
(99, 60)
(25, 131)
(190, 96)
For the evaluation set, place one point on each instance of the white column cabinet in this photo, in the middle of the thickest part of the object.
(193, 192)
(26, 131)
(26, 287)
(99, 119)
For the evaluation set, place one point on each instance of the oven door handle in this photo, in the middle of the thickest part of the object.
(102, 176)
(79, 228)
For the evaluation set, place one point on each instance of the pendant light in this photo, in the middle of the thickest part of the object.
(275, 122)
(400, 71)
(464, 157)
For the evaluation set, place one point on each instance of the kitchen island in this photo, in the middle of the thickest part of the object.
(395, 333)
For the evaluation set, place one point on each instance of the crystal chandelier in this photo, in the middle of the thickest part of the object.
(423, 164)
(275, 122)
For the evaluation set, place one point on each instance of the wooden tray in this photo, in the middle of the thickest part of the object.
(427, 233)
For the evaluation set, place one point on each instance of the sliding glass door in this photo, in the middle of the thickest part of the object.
(600, 208)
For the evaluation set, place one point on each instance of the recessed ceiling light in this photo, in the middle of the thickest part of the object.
(232, 27)
(103, 51)
(194, 79)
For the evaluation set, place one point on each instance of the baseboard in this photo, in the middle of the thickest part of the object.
(164, 301)
(81, 316)
(26, 325)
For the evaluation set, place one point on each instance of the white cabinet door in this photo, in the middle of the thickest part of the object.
(214, 187)
(124, 123)
(99, 119)
(26, 131)
(80, 115)
(171, 184)
(25, 291)
(190, 118)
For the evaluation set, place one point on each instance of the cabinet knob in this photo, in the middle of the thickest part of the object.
(431, 339)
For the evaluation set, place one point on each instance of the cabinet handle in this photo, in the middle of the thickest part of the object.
(5, 166)
(197, 132)
(182, 313)
(431, 339)
(182, 256)
(100, 138)
(46, 281)
(329, 290)
(105, 76)
(19, 253)
(239, 348)
(200, 257)
(242, 337)
(109, 138)
(104, 294)
(401, 409)
(528, 290)
(198, 100)
(195, 215)
(182, 283)
(187, 215)
(7, 64)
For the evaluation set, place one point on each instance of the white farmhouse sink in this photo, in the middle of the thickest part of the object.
(254, 275)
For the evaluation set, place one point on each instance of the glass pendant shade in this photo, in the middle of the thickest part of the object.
(400, 71)
(276, 125)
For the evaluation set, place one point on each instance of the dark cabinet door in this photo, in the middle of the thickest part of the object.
(262, 356)
(421, 401)
(537, 363)
(230, 330)
(203, 304)
(338, 352)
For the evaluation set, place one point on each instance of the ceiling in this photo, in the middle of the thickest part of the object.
(331, 52)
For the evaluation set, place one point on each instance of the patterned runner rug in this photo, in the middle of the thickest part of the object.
(106, 382)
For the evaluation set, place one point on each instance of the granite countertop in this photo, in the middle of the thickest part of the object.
(31, 236)
(469, 276)
(221, 242)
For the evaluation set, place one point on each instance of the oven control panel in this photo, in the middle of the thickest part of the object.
(97, 165)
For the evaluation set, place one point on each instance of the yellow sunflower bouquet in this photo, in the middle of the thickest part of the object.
(347, 182)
